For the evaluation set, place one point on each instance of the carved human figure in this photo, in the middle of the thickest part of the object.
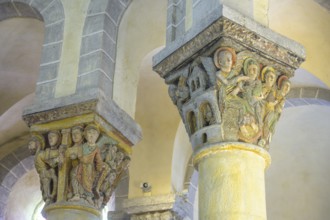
(226, 78)
(274, 108)
(90, 162)
(74, 153)
(180, 93)
(268, 77)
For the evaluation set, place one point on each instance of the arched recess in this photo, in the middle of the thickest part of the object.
(99, 44)
(51, 12)
(142, 29)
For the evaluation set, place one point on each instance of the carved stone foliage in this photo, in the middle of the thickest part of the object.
(78, 165)
(229, 96)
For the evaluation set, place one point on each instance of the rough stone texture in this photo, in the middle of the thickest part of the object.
(4, 193)
(118, 215)
(7, 10)
(115, 9)
(22, 152)
(28, 163)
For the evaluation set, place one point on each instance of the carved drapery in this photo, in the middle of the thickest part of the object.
(79, 165)
(228, 94)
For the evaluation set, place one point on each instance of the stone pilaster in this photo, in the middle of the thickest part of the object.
(229, 77)
(81, 151)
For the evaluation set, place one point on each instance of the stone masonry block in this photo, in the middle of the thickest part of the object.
(111, 28)
(308, 92)
(115, 10)
(109, 46)
(7, 10)
(88, 81)
(97, 6)
(97, 60)
(48, 72)
(294, 93)
(9, 161)
(40, 4)
(18, 170)
(126, 2)
(3, 173)
(25, 10)
(54, 32)
(324, 94)
(22, 153)
(9, 181)
(94, 23)
(28, 163)
(45, 91)
(4, 193)
(51, 53)
(53, 13)
(91, 43)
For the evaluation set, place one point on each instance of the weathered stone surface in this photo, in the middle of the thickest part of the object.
(4, 193)
(94, 23)
(18, 170)
(45, 91)
(97, 6)
(115, 9)
(40, 5)
(9, 180)
(9, 161)
(25, 10)
(96, 60)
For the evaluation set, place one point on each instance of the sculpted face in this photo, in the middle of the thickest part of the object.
(225, 61)
(285, 88)
(270, 78)
(253, 71)
(77, 135)
(92, 135)
(52, 139)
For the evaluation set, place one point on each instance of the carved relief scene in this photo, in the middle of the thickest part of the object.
(78, 165)
(239, 92)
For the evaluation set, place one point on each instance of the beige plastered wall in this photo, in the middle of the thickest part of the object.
(306, 22)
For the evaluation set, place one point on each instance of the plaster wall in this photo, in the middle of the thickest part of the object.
(307, 23)
(68, 72)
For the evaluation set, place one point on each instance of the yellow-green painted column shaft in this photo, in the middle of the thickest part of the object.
(231, 182)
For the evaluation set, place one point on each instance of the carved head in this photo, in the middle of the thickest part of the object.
(225, 59)
(251, 68)
(268, 76)
(284, 85)
(92, 133)
(36, 143)
(54, 138)
(77, 133)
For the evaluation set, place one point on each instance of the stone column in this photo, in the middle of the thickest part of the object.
(229, 77)
(81, 151)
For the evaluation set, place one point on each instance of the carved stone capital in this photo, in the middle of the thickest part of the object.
(229, 80)
(79, 166)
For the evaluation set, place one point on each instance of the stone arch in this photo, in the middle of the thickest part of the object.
(51, 12)
(12, 167)
(99, 44)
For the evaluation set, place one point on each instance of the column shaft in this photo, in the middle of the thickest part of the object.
(232, 185)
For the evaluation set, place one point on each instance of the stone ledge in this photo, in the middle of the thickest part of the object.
(93, 102)
(225, 22)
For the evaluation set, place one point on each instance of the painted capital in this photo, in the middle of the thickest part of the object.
(81, 152)
(229, 83)
(80, 165)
